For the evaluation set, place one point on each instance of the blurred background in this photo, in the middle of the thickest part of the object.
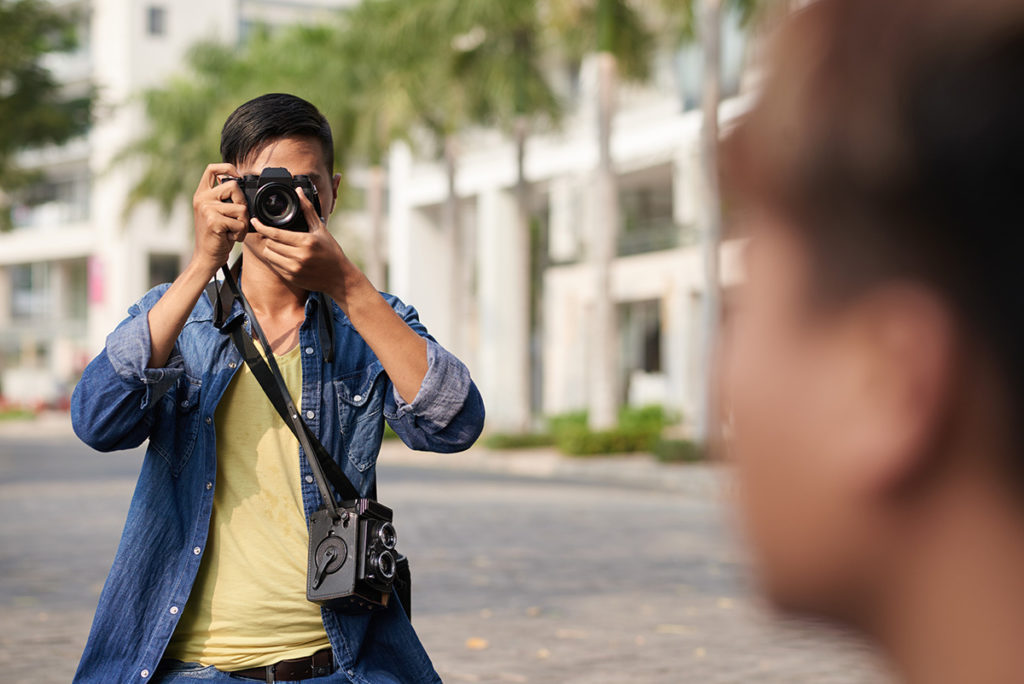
(537, 178)
(527, 173)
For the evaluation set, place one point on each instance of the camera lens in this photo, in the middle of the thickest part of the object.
(385, 563)
(387, 535)
(276, 204)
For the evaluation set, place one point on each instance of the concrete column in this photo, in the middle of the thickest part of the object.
(422, 268)
(5, 298)
(503, 370)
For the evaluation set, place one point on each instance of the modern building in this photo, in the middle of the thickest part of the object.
(73, 263)
(658, 277)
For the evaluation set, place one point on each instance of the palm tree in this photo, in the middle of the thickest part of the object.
(186, 113)
(504, 68)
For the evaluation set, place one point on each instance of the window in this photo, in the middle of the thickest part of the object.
(156, 20)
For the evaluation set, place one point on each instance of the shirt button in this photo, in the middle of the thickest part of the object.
(232, 364)
(358, 397)
(184, 404)
(310, 415)
(309, 350)
(208, 421)
(309, 479)
(209, 486)
(144, 674)
(196, 550)
(174, 610)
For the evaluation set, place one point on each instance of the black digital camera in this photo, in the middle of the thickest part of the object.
(271, 198)
(352, 559)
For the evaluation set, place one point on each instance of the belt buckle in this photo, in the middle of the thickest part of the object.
(271, 673)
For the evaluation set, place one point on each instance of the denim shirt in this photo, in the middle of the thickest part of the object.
(119, 403)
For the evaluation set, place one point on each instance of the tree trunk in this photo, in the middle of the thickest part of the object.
(707, 424)
(452, 217)
(524, 297)
(604, 389)
(375, 269)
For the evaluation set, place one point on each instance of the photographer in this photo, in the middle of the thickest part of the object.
(210, 574)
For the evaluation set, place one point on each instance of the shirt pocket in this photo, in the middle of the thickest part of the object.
(176, 423)
(361, 413)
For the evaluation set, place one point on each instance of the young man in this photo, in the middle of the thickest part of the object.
(210, 576)
(874, 363)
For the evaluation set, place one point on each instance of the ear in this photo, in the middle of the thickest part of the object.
(335, 183)
(906, 340)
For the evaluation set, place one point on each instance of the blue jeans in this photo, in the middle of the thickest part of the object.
(177, 672)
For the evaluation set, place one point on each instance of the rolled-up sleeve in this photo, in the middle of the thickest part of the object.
(443, 391)
(128, 348)
(447, 413)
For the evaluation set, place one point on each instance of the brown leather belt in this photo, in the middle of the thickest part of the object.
(319, 664)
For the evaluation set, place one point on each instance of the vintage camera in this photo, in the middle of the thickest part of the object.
(271, 198)
(352, 559)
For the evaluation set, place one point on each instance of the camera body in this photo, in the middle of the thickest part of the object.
(352, 560)
(271, 198)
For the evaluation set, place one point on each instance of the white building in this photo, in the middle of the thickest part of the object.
(73, 265)
(657, 280)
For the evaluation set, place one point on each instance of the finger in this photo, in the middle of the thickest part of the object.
(237, 211)
(282, 263)
(213, 171)
(309, 211)
(231, 191)
(285, 237)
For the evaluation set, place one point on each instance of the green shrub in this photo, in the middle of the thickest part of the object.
(389, 433)
(509, 440)
(678, 451)
(580, 441)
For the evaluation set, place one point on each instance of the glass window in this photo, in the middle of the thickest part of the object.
(156, 20)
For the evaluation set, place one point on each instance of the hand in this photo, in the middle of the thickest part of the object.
(312, 260)
(219, 224)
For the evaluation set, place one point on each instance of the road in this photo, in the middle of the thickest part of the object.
(516, 579)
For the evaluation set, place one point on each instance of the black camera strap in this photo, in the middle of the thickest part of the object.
(267, 373)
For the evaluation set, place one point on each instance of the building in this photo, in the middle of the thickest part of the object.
(73, 263)
(657, 279)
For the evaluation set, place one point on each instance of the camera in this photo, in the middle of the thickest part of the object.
(271, 198)
(352, 558)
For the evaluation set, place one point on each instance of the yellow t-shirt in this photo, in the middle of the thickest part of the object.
(248, 606)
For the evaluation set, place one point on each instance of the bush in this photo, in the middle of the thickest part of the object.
(508, 440)
(638, 430)
(678, 451)
(584, 442)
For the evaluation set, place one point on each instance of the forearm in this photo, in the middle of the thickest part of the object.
(168, 316)
(401, 351)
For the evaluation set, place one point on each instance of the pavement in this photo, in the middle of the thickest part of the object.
(528, 566)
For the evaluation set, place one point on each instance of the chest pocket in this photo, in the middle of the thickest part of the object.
(361, 413)
(176, 423)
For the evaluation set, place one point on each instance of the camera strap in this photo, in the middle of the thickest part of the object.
(267, 373)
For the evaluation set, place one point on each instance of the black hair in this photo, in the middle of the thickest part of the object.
(272, 117)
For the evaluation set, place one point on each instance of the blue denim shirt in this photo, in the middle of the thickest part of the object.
(119, 403)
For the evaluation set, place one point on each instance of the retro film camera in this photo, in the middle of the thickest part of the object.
(352, 559)
(271, 198)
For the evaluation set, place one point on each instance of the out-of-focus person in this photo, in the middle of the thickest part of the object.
(873, 364)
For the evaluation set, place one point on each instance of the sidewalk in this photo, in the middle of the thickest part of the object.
(632, 471)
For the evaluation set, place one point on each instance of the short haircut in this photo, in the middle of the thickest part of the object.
(890, 137)
(269, 118)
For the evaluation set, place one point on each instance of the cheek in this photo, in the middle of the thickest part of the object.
(777, 391)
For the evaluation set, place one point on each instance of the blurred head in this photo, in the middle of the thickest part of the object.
(874, 359)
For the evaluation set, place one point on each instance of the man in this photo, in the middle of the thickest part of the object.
(210, 575)
(874, 360)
